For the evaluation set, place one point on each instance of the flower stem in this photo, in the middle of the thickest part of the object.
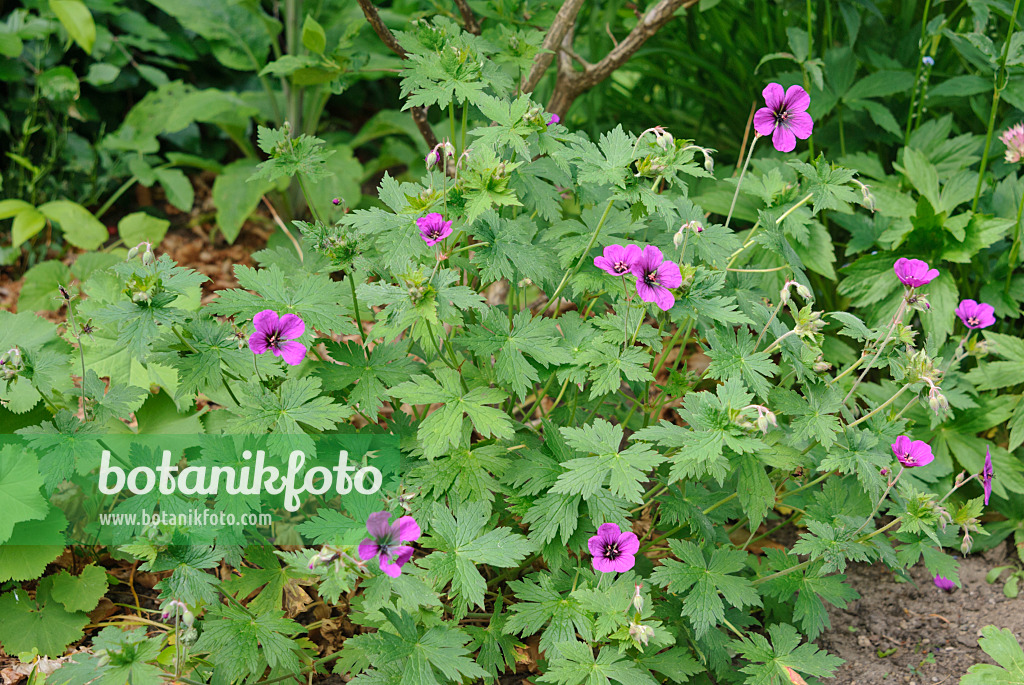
(917, 73)
(880, 407)
(997, 91)
(355, 310)
(898, 317)
(739, 181)
(1015, 250)
(871, 516)
(586, 251)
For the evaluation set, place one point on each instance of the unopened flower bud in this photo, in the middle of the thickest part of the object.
(937, 401)
(965, 546)
(678, 238)
(14, 354)
(188, 618)
(140, 297)
(133, 253)
(336, 201)
(638, 599)
(709, 163)
(102, 657)
(640, 633)
(148, 257)
(449, 149)
(884, 472)
(803, 291)
(822, 366)
(431, 159)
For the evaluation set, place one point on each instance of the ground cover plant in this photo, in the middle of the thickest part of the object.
(651, 404)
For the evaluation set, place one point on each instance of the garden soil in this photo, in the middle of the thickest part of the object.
(934, 633)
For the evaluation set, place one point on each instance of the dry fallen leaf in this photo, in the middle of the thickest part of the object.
(795, 677)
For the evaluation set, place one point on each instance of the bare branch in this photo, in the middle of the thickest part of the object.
(419, 114)
(570, 83)
(564, 20)
(468, 19)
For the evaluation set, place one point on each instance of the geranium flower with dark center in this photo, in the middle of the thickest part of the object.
(618, 260)
(976, 314)
(278, 334)
(654, 277)
(912, 453)
(613, 550)
(433, 228)
(784, 116)
(385, 541)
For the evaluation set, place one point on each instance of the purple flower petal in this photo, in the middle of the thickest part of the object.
(290, 326)
(669, 276)
(774, 96)
(407, 528)
(801, 124)
(646, 292)
(629, 543)
(986, 475)
(623, 563)
(603, 565)
(596, 546)
(796, 100)
(609, 532)
(258, 342)
(944, 583)
(368, 549)
(265, 321)
(377, 524)
(663, 298)
(783, 139)
(764, 121)
(292, 352)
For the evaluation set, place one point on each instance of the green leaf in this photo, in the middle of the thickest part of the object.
(510, 343)
(79, 226)
(442, 429)
(703, 577)
(38, 624)
(239, 34)
(235, 197)
(387, 366)
(462, 545)
(39, 291)
(26, 225)
(297, 401)
(241, 643)
(81, 592)
(313, 36)
(733, 356)
(177, 187)
(76, 19)
(140, 226)
(1002, 646)
(624, 471)
(574, 663)
(770, 660)
(20, 485)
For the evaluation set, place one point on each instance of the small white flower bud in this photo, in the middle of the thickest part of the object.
(678, 238)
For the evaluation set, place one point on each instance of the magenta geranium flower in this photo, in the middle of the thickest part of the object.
(976, 314)
(912, 453)
(554, 119)
(433, 228)
(944, 583)
(612, 549)
(385, 541)
(618, 260)
(784, 117)
(278, 334)
(914, 272)
(986, 476)
(654, 277)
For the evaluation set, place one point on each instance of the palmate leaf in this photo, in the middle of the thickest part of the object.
(510, 251)
(20, 485)
(442, 429)
(387, 366)
(1002, 646)
(812, 590)
(509, 345)
(813, 413)
(542, 605)
(462, 544)
(575, 663)
(624, 470)
(314, 298)
(508, 129)
(297, 401)
(41, 623)
(241, 643)
(703, 577)
(606, 163)
(734, 356)
(61, 442)
(133, 650)
(188, 581)
(495, 649)
(771, 659)
(608, 363)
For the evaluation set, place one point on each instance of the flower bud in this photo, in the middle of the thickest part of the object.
(449, 149)
(638, 600)
(678, 238)
(148, 257)
(133, 253)
(337, 201)
(803, 291)
(965, 546)
(640, 633)
(14, 354)
(431, 159)
(937, 401)
(709, 163)
(188, 618)
(884, 472)
(822, 366)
